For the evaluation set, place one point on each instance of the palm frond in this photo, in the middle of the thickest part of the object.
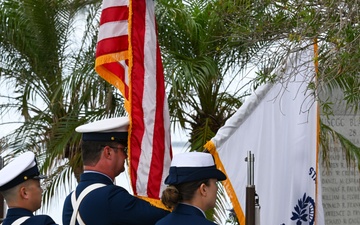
(54, 85)
(350, 150)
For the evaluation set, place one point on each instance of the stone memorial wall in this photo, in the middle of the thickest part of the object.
(341, 182)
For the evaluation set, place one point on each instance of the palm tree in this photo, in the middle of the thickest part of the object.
(51, 81)
(197, 59)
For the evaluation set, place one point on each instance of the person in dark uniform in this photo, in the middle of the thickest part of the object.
(96, 200)
(20, 186)
(192, 189)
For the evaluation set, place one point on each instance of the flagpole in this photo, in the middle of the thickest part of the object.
(2, 204)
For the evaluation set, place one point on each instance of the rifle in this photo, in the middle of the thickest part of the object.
(252, 210)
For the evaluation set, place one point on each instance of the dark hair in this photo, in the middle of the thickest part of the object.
(174, 194)
(91, 151)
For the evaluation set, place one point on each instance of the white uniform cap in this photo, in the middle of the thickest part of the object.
(192, 166)
(192, 159)
(112, 129)
(22, 168)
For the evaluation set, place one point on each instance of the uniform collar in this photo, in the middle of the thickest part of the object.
(18, 212)
(184, 208)
(100, 177)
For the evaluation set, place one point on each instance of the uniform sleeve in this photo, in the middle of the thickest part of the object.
(50, 221)
(67, 211)
(132, 210)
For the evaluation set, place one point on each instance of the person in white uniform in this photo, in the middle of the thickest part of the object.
(20, 186)
(96, 199)
(192, 189)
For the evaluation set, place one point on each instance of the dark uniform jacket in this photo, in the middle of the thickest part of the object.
(185, 214)
(110, 204)
(16, 213)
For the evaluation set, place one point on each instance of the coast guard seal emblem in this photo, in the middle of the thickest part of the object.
(304, 211)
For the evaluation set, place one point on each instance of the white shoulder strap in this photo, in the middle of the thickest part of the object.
(76, 202)
(20, 220)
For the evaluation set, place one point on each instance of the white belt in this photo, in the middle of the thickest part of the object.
(20, 220)
(76, 202)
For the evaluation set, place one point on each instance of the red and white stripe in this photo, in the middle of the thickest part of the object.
(150, 124)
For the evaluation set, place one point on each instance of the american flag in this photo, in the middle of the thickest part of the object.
(128, 57)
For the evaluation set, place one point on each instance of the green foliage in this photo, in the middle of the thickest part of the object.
(51, 81)
(328, 135)
(197, 56)
(285, 25)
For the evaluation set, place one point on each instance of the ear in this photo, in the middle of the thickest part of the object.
(106, 152)
(203, 190)
(23, 192)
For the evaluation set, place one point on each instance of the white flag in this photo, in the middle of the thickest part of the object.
(278, 123)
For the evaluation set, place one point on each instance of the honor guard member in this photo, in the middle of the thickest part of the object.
(20, 186)
(192, 189)
(96, 200)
